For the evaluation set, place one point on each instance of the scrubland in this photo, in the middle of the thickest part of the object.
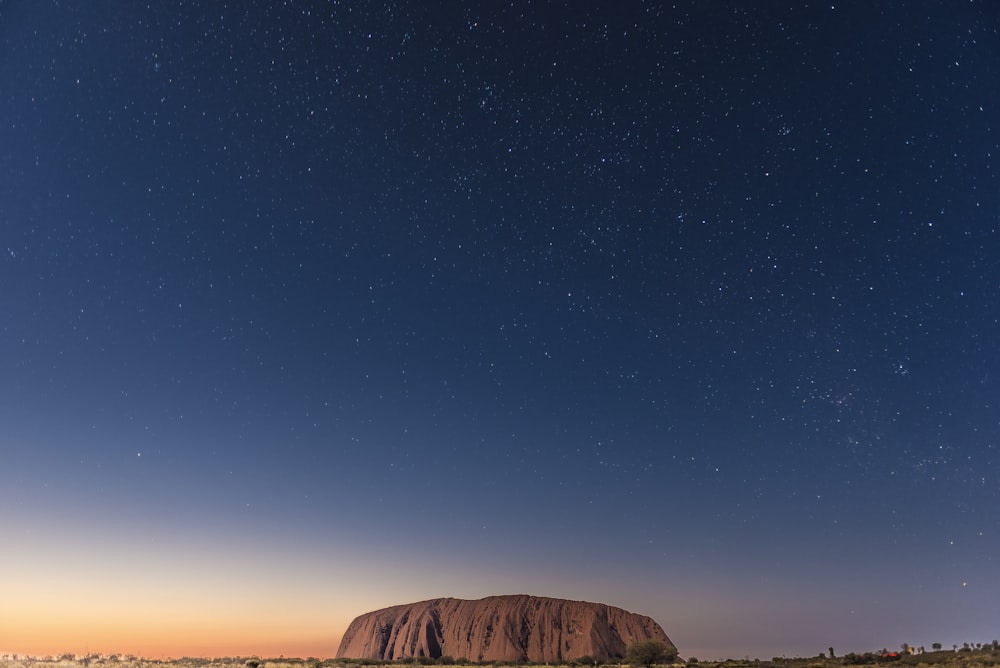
(986, 656)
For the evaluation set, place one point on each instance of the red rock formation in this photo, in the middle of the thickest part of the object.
(497, 628)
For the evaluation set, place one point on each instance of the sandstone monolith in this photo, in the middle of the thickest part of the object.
(498, 628)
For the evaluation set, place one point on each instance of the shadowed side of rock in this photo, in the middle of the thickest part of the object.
(498, 628)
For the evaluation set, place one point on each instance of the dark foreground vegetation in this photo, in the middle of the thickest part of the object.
(969, 655)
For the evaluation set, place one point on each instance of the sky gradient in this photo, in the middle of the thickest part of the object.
(312, 308)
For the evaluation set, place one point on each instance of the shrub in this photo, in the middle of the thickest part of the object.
(648, 652)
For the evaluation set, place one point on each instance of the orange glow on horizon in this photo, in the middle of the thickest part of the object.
(69, 593)
(59, 636)
(81, 619)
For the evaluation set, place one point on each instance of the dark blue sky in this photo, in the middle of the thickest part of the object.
(691, 309)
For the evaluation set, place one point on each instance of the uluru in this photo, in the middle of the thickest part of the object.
(498, 628)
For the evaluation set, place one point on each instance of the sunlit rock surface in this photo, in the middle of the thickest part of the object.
(498, 628)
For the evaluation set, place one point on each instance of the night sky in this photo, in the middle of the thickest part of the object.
(311, 308)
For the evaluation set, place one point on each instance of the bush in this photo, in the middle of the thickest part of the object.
(648, 652)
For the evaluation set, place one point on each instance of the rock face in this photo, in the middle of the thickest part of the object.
(498, 628)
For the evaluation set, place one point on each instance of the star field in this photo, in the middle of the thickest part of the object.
(688, 308)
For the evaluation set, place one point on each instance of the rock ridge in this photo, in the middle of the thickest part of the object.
(515, 627)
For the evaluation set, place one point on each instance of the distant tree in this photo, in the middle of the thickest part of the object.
(936, 646)
(832, 655)
(905, 647)
(648, 652)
